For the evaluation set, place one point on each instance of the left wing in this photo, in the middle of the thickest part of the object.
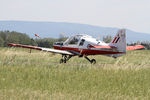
(42, 49)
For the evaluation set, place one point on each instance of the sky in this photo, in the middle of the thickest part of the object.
(130, 14)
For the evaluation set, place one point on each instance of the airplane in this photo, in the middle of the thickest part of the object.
(82, 45)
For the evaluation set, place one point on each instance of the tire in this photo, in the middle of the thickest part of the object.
(65, 61)
(93, 61)
(61, 61)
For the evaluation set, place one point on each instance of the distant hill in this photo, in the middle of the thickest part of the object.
(54, 29)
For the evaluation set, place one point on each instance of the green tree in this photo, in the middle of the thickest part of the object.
(1, 42)
(19, 38)
(107, 38)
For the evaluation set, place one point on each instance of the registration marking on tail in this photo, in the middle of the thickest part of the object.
(117, 39)
(114, 39)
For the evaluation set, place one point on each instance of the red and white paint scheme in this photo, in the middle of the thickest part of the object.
(84, 45)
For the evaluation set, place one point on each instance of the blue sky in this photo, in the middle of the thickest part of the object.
(131, 14)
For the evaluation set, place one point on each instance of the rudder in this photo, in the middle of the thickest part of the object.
(119, 41)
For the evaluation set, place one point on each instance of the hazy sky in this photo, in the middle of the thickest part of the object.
(131, 14)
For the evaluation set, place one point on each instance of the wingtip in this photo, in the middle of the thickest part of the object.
(11, 44)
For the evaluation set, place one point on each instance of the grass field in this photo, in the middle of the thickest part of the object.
(39, 76)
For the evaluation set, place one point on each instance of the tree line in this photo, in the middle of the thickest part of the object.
(22, 38)
(14, 37)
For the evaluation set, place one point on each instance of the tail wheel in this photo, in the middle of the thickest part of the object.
(93, 61)
(61, 60)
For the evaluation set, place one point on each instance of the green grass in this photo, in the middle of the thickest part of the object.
(39, 76)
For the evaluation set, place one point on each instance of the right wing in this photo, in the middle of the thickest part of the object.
(42, 49)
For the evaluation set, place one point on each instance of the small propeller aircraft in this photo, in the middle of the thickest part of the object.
(83, 45)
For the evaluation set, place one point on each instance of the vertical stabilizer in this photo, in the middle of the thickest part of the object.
(119, 41)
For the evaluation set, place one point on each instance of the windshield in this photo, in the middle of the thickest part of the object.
(72, 40)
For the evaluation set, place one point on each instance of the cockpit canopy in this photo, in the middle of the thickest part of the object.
(73, 40)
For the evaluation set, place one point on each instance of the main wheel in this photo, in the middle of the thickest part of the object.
(61, 61)
(65, 60)
(93, 61)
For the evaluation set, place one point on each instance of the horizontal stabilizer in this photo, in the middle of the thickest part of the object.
(136, 47)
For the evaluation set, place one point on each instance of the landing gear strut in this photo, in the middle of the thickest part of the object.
(92, 61)
(65, 58)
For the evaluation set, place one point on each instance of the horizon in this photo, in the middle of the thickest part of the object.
(69, 23)
(54, 29)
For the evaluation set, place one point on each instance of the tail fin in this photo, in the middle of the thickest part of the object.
(119, 41)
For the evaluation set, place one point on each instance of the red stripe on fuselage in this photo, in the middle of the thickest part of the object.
(87, 51)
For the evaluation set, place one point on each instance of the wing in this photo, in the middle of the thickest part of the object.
(136, 47)
(42, 49)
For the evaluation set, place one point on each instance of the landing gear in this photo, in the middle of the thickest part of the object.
(61, 60)
(92, 61)
(65, 58)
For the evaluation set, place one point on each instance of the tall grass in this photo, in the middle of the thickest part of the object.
(38, 75)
